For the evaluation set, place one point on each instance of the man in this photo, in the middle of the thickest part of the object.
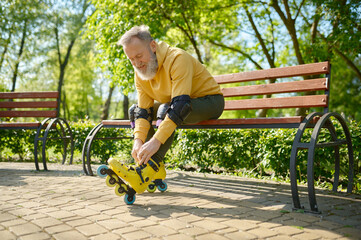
(170, 76)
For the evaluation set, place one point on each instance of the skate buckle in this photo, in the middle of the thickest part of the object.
(139, 171)
(153, 165)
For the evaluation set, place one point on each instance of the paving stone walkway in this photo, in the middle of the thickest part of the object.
(64, 204)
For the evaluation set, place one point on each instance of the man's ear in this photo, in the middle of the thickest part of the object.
(153, 46)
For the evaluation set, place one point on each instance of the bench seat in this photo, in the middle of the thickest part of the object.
(226, 123)
(20, 125)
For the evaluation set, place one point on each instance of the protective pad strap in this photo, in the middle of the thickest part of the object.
(180, 108)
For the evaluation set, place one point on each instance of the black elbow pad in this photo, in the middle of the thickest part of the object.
(180, 108)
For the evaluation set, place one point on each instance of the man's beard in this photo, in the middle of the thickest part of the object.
(151, 69)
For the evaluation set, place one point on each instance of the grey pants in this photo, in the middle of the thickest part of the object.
(204, 108)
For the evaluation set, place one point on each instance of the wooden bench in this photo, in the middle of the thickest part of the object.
(285, 94)
(36, 105)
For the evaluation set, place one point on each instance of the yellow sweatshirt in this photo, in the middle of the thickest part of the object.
(178, 74)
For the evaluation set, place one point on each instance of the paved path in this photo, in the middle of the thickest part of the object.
(64, 204)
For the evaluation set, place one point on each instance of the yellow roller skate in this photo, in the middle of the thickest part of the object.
(138, 177)
(129, 180)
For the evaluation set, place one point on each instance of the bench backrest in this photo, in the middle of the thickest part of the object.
(256, 91)
(28, 104)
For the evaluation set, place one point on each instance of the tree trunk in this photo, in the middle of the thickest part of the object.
(21, 50)
(64, 105)
(105, 113)
(64, 63)
(125, 107)
(269, 56)
(290, 25)
(5, 50)
(62, 66)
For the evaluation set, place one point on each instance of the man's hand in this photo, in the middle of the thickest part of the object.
(147, 150)
(136, 147)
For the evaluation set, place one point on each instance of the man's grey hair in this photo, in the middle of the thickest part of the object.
(141, 32)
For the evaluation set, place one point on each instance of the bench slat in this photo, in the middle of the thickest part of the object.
(275, 103)
(297, 119)
(300, 70)
(266, 120)
(40, 104)
(286, 87)
(116, 122)
(14, 95)
(20, 125)
(27, 113)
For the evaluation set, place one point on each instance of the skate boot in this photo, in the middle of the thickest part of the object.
(137, 177)
(158, 180)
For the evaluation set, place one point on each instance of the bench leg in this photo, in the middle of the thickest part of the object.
(67, 134)
(36, 143)
(325, 122)
(45, 138)
(293, 179)
(38, 139)
(87, 148)
(297, 144)
(63, 131)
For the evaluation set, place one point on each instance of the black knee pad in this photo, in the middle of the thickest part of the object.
(180, 108)
(132, 115)
(161, 113)
(136, 112)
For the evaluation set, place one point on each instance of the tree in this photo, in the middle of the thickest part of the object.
(233, 35)
(69, 21)
(18, 22)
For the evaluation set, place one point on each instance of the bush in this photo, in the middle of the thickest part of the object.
(259, 152)
(20, 143)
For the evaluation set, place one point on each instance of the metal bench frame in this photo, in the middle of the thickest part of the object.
(315, 120)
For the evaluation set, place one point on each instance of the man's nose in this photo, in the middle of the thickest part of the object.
(136, 63)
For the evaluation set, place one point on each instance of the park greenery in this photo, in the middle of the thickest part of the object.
(70, 46)
(247, 152)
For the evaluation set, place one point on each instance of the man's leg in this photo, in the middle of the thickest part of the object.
(205, 108)
(159, 155)
(209, 107)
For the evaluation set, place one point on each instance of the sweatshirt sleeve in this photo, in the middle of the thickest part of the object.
(142, 126)
(181, 73)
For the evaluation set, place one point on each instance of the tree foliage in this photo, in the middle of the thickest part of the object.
(230, 36)
(227, 36)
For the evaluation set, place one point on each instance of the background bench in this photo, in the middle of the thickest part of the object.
(36, 105)
(252, 97)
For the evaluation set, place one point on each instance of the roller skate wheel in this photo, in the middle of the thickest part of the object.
(111, 180)
(151, 188)
(119, 190)
(162, 187)
(129, 199)
(101, 171)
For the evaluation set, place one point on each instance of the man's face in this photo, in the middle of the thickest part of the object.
(143, 58)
